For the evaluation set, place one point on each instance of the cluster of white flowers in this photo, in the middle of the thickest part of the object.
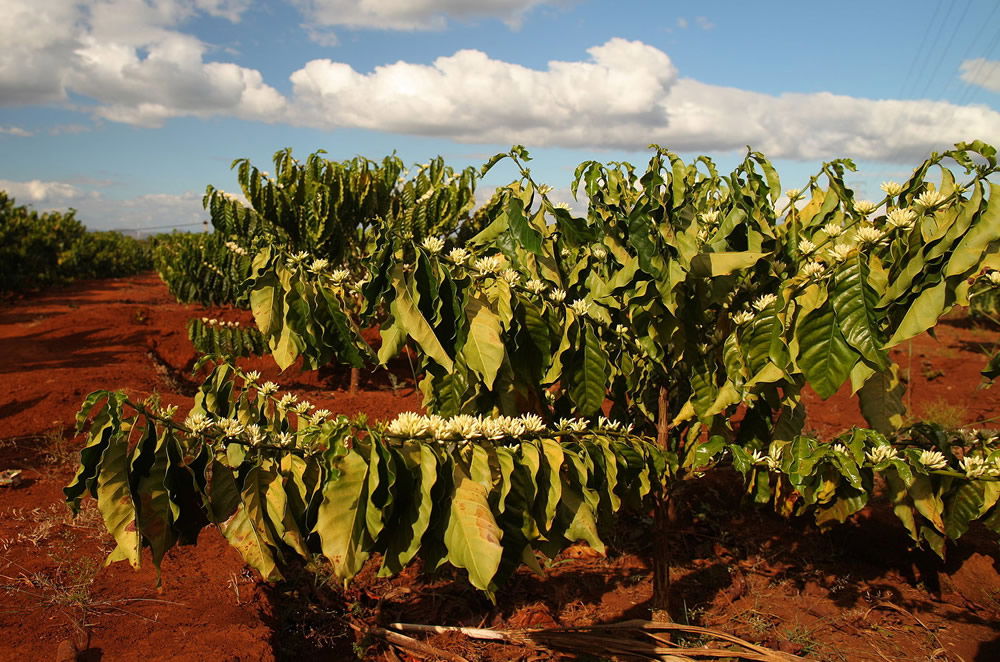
(930, 199)
(868, 234)
(806, 246)
(230, 428)
(319, 265)
(211, 321)
(410, 425)
(599, 251)
(267, 388)
(833, 229)
(287, 400)
(581, 307)
(621, 329)
(901, 218)
(793, 194)
(710, 217)
(433, 244)
(880, 454)
(339, 276)
(977, 466)
(608, 424)
(236, 248)
(319, 416)
(250, 378)
(933, 459)
(572, 424)
(302, 408)
(891, 188)
(772, 463)
(703, 235)
(198, 423)
(561, 205)
(510, 276)
(254, 434)
(212, 267)
(813, 269)
(864, 207)
(296, 260)
(534, 285)
(764, 302)
(841, 252)
(459, 255)
(841, 449)
(743, 317)
(489, 265)
(558, 295)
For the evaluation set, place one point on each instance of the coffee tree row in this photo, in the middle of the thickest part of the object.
(686, 303)
(487, 494)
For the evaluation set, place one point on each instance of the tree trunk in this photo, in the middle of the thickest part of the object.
(660, 608)
(355, 381)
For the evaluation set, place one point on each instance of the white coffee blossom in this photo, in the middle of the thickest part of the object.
(408, 424)
(759, 458)
(880, 454)
(459, 255)
(230, 428)
(558, 295)
(489, 265)
(285, 440)
(492, 428)
(840, 449)
(930, 199)
(868, 234)
(793, 193)
(573, 424)
(864, 207)
(764, 302)
(600, 252)
(198, 423)
(544, 189)
(891, 188)
(433, 244)
(535, 285)
(319, 265)
(813, 268)
(561, 205)
(302, 407)
(806, 246)
(710, 217)
(466, 426)
(297, 259)
(510, 276)
(319, 416)
(933, 459)
(250, 378)
(514, 427)
(608, 424)
(976, 466)
(833, 229)
(287, 400)
(268, 388)
(841, 252)
(743, 317)
(901, 218)
(581, 307)
(621, 329)
(532, 423)
(254, 434)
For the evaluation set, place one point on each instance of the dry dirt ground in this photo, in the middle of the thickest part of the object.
(856, 593)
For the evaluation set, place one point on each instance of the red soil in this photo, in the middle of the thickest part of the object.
(857, 593)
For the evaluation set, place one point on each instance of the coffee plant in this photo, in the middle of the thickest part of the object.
(222, 338)
(685, 302)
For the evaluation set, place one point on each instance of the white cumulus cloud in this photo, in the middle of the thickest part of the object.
(43, 193)
(128, 56)
(982, 72)
(16, 131)
(625, 96)
(412, 14)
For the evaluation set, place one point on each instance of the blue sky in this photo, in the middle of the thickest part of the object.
(126, 109)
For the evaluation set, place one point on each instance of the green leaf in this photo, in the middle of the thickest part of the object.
(484, 349)
(340, 521)
(114, 500)
(825, 357)
(854, 302)
(409, 317)
(881, 400)
(589, 374)
(472, 536)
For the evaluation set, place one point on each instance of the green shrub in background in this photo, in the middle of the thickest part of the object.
(42, 249)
